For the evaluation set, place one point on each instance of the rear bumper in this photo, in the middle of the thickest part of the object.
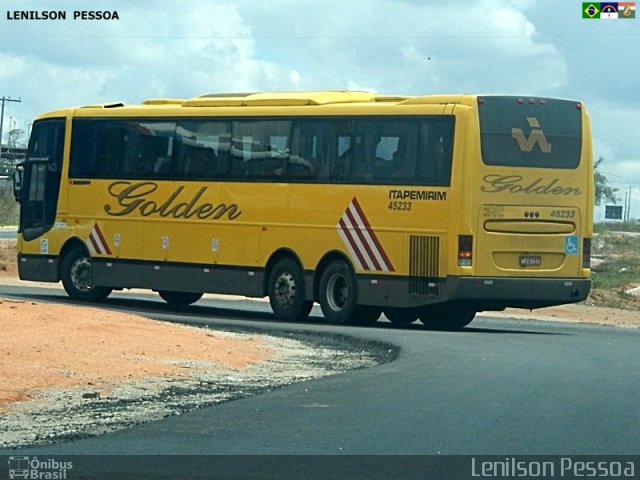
(499, 293)
(484, 293)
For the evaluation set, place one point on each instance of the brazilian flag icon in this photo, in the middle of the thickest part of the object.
(591, 10)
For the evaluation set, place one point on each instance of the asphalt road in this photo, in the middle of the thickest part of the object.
(500, 387)
(8, 233)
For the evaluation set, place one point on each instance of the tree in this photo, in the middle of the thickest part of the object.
(14, 136)
(604, 191)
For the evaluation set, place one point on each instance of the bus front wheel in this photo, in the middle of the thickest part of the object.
(181, 299)
(286, 291)
(77, 277)
(338, 293)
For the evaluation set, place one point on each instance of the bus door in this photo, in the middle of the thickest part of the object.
(533, 188)
(41, 178)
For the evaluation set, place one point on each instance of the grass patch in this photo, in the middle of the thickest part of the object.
(621, 260)
(631, 226)
(614, 280)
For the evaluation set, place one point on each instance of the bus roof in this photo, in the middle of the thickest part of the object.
(276, 99)
(273, 99)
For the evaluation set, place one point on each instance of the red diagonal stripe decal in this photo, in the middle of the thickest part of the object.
(354, 246)
(377, 243)
(94, 243)
(359, 231)
(105, 245)
(360, 239)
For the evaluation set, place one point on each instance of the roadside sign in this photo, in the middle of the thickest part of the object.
(613, 212)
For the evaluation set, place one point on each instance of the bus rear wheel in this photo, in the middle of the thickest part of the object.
(338, 293)
(76, 273)
(447, 317)
(401, 317)
(286, 291)
(179, 298)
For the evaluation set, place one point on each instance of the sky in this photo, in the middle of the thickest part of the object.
(185, 48)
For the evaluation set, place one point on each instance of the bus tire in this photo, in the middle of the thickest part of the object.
(338, 293)
(401, 317)
(77, 278)
(181, 299)
(286, 291)
(449, 317)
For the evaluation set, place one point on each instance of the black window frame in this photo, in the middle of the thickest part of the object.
(279, 157)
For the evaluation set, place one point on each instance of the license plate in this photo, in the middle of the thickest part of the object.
(530, 260)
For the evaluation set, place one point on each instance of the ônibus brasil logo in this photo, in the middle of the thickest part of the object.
(35, 468)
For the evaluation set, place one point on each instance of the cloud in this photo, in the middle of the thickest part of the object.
(187, 47)
(181, 51)
(12, 67)
(491, 46)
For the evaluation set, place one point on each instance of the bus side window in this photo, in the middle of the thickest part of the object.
(237, 160)
(340, 160)
(362, 158)
(342, 165)
(152, 148)
(393, 146)
(200, 162)
(308, 148)
(163, 166)
(434, 163)
(388, 158)
(260, 149)
(201, 149)
(403, 166)
(111, 153)
(83, 149)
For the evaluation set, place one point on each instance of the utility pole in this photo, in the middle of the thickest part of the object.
(4, 100)
(626, 208)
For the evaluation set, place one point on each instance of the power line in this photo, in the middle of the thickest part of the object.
(329, 37)
(5, 100)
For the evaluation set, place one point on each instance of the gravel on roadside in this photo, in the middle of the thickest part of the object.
(74, 413)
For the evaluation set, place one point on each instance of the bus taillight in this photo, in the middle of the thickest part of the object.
(586, 253)
(465, 250)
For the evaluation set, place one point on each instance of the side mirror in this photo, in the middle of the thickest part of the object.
(17, 183)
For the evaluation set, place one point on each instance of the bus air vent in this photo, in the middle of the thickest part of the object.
(105, 105)
(281, 99)
(424, 265)
(163, 101)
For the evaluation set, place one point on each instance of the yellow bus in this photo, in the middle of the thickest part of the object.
(421, 207)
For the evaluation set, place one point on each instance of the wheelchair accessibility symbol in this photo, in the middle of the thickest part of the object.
(571, 245)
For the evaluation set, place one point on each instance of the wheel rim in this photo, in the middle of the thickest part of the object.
(81, 274)
(337, 292)
(285, 289)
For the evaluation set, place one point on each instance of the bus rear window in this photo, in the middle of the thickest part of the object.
(528, 132)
